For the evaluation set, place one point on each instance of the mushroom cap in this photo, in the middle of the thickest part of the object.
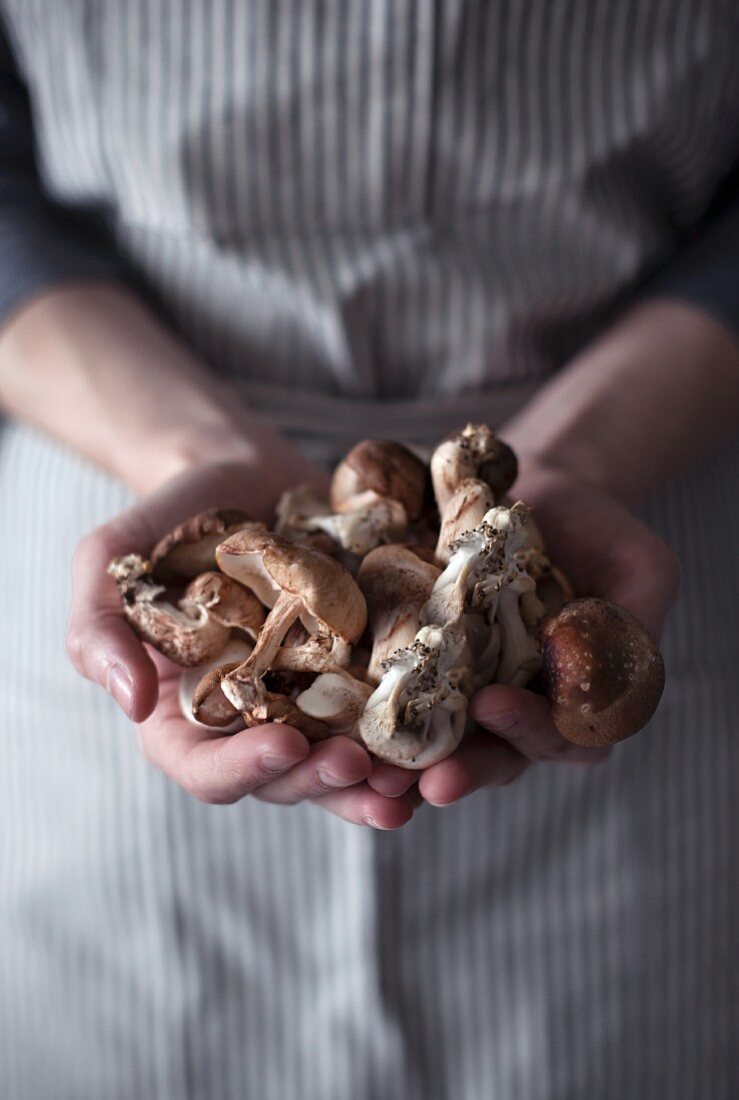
(475, 451)
(392, 577)
(603, 672)
(227, 601)
(189, 548)
(388, 469)
(269, 564)
(200, 688)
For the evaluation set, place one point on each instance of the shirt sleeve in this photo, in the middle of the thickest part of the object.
(705, 270)
(41, 243)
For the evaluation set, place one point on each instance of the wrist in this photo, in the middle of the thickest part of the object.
(219, 438)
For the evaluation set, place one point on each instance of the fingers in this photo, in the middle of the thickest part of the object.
(389, 780)
(273, 762)
(331, 765)
(361, 805)
(100, 643)
(480, 761)
(523, 733)
(217, 768)
(644, 577)
(523, 720)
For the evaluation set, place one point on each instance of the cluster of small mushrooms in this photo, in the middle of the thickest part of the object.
(378, 612)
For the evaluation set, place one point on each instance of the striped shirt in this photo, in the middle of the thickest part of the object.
(377, 219)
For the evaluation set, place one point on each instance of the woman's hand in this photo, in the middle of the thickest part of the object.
(273, 763)
(605, 552)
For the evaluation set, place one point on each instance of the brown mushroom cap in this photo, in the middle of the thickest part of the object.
(269, 565)
(475, 451)
(210, 706)
(603, 672)
(391, 576)
(388, 469)
(227, 601)
(189, 548)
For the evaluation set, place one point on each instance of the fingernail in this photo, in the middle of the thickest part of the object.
(120, 686)
(272, 762)
(329, 780)
(374, 825)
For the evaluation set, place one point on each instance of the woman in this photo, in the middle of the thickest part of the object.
(253, 234)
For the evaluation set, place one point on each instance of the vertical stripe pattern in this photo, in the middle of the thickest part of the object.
(377, 219)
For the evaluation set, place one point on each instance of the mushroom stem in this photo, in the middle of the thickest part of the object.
(242, 685)
(520, 657)
(465, 510)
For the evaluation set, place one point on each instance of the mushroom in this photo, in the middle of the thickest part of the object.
(604, 674)
(212, 707)
(337, 699)
(477, 560)
(464, 510)
(416, 716)
(379, 469)
(474, 452)
(375, 520)
(187, 634)
(228, 602)
(485, 563)
(396, 584)
(201, 699)
(295, 582)
(190, 547)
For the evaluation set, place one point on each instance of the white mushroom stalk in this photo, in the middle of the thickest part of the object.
(416, 716)
(374, 520)
(488, 586)
(187, 634)
(464, 511)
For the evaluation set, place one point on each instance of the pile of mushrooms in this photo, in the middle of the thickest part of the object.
(378, 611)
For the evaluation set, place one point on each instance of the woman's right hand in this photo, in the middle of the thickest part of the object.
(274, 763)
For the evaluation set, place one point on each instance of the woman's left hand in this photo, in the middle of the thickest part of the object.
(605, 551)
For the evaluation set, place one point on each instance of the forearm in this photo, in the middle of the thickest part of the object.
(652, 396)
(90, 365)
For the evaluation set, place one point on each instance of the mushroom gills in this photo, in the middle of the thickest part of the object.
(371, 521)
(187, 634)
